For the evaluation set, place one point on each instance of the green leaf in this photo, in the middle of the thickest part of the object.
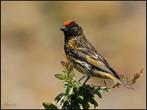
(49, 105)
(92, 101)
(68, 91)
(99, 94)
(58, 97)
(61, 76)
(80, 97)
(86, 105)
(65, 104)
(77, 85)
(65, 99)
(68, 85)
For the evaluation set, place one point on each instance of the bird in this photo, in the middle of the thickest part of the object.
(84, 57)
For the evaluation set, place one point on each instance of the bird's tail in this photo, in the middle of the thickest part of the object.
(119, 81)
(124, 84)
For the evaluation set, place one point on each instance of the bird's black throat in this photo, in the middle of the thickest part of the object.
(67, 37)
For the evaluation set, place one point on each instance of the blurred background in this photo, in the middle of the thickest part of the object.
(32, 48)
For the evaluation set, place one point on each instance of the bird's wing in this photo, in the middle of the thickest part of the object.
(94, 59)
(93, 51)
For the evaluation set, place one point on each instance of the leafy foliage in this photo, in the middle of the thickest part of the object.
(49, 106)
(77, 95)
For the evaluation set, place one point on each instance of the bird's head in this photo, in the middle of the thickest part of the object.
(71, 28)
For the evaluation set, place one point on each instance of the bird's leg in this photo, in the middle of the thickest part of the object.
(82, 78)
(88, 77)
(105, 83)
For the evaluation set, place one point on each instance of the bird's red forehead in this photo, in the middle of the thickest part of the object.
(68, 23)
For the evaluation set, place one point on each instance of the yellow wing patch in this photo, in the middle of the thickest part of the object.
(102, 74)
(93, 61)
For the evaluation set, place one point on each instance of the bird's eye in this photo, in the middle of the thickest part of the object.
(75, 29)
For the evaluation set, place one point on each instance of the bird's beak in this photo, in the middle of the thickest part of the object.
(63, 28)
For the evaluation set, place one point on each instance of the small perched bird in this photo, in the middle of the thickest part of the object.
(84, 57)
